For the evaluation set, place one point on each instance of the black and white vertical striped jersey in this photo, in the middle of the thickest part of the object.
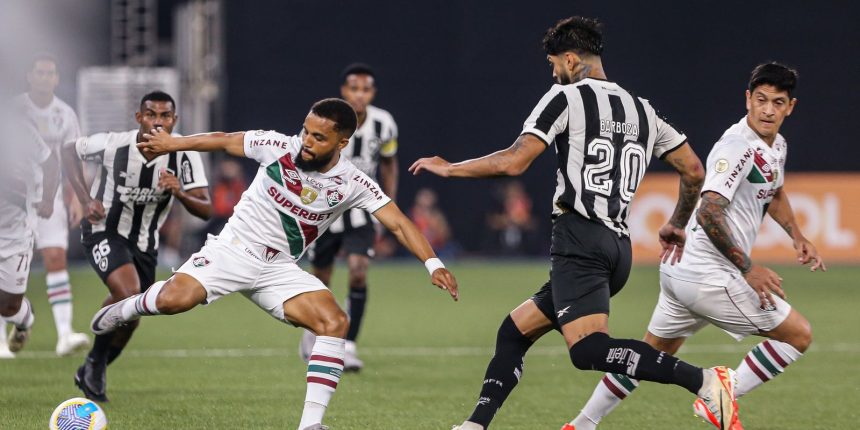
(604, 138)
(127, 186)
(375, 138)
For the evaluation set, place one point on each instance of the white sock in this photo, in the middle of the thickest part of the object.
(324, 369)
(60, 298)
(3, 335)
(142, 304)
(24, 318)
(767, 360)
(608, 394)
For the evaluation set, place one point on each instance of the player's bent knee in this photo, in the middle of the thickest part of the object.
(174, 299)
(803, 338)
(333, 324)
(588, 351)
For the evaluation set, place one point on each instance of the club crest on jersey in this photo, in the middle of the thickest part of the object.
(308, 195)
(200, 261)
(333, 197)
(269, 254)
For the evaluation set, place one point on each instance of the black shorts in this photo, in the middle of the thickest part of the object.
(107, 252)
(590, 264)
(353, 240)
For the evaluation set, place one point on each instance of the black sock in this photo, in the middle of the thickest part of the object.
(100, 348)
(635, 359)
(112, 353)
(356, 300)
(503, 372)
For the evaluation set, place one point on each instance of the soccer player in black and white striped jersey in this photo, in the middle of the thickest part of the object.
(604, 138)
(124, 209)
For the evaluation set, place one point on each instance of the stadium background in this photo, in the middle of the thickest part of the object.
(459, 78)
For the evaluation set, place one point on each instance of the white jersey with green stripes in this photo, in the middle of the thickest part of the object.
(747, 172)
(285, 209)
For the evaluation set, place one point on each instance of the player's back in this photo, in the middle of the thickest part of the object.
(604, 139)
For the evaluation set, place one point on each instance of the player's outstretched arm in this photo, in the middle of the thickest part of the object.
(94, 211)
(512, 161)
(51, 181)
(781, 212)
(407, 234)
(160, 142)
(689, 166)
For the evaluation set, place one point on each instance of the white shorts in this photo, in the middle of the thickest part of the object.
(53, 232)
(15, 271)
(684, 307)
(224, 265)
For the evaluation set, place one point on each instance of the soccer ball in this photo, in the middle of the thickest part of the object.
(78, 414)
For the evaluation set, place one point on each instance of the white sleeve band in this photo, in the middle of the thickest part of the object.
(432, 264)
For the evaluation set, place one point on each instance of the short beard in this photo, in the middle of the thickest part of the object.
(313, 165)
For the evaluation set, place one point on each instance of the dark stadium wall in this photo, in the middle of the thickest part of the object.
(460, 77)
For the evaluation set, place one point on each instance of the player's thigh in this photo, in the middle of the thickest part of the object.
(671, 319)
(53, 232)
(280, 283)
(536, 316)
(323, 251)
(112, 259)
(584, 259)
(15, 271)
(732, 306)
(222, 267)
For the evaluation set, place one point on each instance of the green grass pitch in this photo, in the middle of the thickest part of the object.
(229, 365)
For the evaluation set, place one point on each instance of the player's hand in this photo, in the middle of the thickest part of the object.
(808, 253)
(44, 209)
(765, 281)
(672, 241)
(94, 211)
(443, 279)
(435, 165)
(157, 142)
(169, 182)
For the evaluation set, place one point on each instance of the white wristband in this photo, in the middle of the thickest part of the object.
(432, 264)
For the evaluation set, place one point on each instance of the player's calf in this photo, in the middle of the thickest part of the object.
(769, 359)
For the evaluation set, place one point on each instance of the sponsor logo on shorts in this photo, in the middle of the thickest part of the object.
(308, 195)
(200, 261)
(563, 311)
(333, 197)
(20, 282)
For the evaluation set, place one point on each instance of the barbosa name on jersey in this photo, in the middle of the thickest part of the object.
(285, 203)
(626, 128)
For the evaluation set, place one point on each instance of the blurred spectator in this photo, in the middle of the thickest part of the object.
(226, 193)
(513, 228)
(431, 222)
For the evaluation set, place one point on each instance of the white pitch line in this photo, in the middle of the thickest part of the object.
(419, 351)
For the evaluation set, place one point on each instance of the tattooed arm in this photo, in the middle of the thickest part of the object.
(712, 218)
(512, 161)
(672, 236)
(781, 212)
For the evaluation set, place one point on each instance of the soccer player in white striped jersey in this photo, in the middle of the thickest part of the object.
(303, 184)
(716, 282)
(57, 124)
(604, 138)
(374, 144)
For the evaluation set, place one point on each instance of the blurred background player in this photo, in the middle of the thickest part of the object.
(56, 123)
(124, 209)
(373, 144)
(27, 160)
(302, 186)
(716, 281)
(604, 139)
